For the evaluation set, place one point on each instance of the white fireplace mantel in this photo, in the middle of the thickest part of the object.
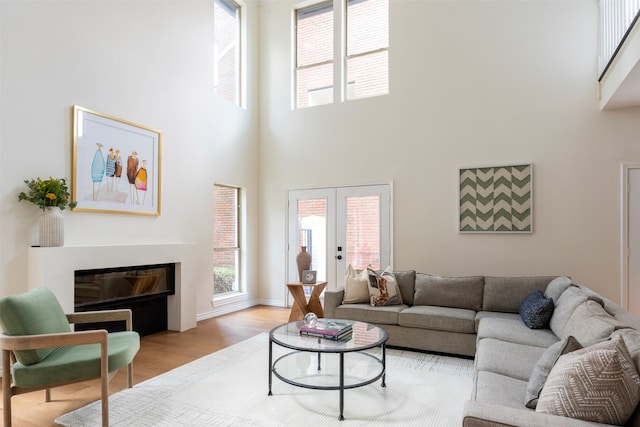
(54, 268)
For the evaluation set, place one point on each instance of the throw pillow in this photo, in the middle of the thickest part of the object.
(590, 323)
(566, 305)
(356, 286)
(536, 310)
(543, 367)
(383, 288)
(597, 383)
(556, 287)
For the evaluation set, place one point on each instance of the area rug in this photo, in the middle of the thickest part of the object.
(230, 387)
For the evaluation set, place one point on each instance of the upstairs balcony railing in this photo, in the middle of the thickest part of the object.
(617, 18)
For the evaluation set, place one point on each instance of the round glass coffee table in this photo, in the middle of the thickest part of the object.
(325, 364)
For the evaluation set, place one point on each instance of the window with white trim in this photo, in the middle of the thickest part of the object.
(360, 68)
(227, 50)
(226, 240)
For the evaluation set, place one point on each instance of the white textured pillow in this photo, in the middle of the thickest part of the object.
(598, 383)
(356, 286)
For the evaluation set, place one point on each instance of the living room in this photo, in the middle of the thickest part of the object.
(472, 83)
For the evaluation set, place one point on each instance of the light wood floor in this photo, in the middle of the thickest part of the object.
(158, 353)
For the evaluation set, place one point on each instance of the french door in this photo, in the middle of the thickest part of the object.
(340, 226)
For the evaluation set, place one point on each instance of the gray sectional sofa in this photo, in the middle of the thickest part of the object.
(479, 316)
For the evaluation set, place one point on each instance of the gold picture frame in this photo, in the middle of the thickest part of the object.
(116, 165)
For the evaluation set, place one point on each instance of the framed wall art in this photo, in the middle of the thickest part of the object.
(497, 199)
(116, 164)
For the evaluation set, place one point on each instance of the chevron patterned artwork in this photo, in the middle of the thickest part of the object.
(496, 199)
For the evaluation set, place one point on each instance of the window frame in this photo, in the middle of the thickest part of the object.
(346, 57)
(238, 288)
(310, 6)
(240, 69)
(340, 84)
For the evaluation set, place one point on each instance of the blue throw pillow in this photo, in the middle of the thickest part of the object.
(536, 310)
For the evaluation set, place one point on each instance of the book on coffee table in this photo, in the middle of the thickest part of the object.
(327, 328)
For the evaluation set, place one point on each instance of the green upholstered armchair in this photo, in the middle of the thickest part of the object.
(40, 350)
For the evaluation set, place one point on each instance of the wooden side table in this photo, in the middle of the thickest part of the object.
(300, 304)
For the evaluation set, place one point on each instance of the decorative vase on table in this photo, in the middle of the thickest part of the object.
(51, 228)
(303, 259)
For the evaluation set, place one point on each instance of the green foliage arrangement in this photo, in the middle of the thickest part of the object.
(50, 193)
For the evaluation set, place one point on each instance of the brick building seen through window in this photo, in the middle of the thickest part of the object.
(366, 52)
(362, 246)
(226, 240)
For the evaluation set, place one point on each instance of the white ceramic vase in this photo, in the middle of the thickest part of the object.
(51, 228)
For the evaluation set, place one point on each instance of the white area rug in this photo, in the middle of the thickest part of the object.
(229, 388)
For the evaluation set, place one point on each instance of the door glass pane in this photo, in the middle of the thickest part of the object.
(363, 231)
(312, 233)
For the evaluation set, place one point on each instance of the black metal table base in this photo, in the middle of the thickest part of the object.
(341, 386)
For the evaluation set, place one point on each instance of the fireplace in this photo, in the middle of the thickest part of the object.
(143, 289)
(55, 267)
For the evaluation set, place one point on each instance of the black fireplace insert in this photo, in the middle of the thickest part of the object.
(142, 289)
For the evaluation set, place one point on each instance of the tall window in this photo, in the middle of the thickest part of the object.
(314, 59)
(226, 240)
(226, 22)
(363, 55)
(367, 58)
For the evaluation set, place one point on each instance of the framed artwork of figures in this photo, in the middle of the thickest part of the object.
(116, 164)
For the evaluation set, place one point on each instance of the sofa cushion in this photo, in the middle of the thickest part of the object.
(556, 287)
(597, 383)
(456, 292)
(356, 286)
(507, 293)
(438, 318)
(565, 306)
(407, 284)
(513, 330)
(499, 389)
(631, 339)
(536, 310)
(494, 314)
(590, 323)
(543, 367)
(383, 288)
(507, 358)
(387, 315)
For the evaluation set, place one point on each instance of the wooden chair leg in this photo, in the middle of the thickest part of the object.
(105, 401)
(130, 375)
(6, 389)
(47, 395)
(104, 377)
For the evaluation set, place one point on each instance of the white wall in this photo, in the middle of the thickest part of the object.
(473, 83)
(150, 62)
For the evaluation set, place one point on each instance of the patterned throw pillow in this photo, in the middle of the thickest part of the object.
(536, 310)
(598, 383)
(356, 286)
(383, 288)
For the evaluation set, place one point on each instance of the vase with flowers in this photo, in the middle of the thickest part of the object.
(51, 196)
